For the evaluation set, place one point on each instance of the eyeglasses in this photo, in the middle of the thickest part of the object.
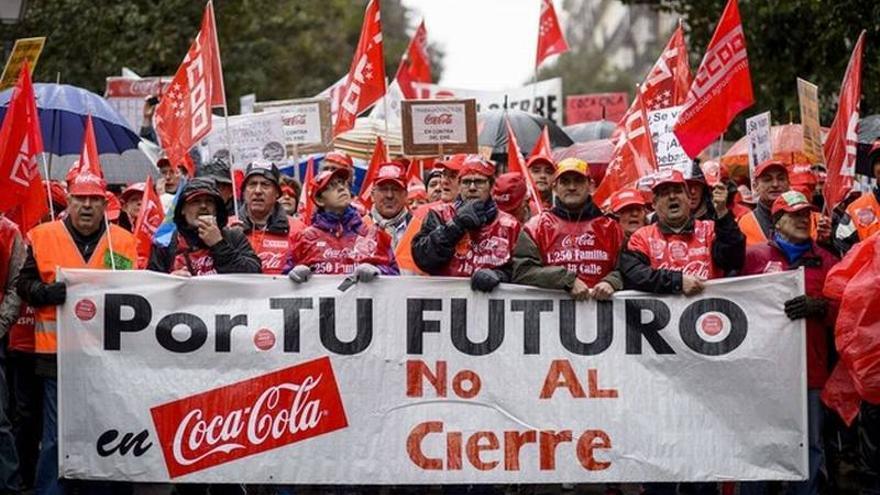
(474, 182)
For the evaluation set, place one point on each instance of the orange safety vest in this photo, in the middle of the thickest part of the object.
(750, 228)
(865, 215)
(53, 247)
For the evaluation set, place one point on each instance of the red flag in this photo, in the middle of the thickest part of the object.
(306, 206)
(149, 218)
(417, 168)
(840, 146)
(515, 164)
(721, 89)
(550, 38)
(24, 198)
(88, 157)
(415, 66)
(366, 77)
(542, 145)
(378, 158)
(633, 156)
(183, 117)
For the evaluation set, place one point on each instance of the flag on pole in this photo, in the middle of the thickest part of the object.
(366, 78)
(542, 145)
(515, 164)
(149, 219)
(183, 117)
(306, 206)
(722, 87)
(167, 228)
(376, 160)
(24, 198)
(550, 38)
(415, 66)
(840, 146)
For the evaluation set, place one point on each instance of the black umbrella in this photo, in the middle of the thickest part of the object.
(590, 131)
(526, 126)
(869, 131)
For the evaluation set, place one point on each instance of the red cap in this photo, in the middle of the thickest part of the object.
(87, 183)
(113, 206)
(136, 189)
(769, 164)
(391, 172)
(475, 164)
(416, 190)
(454, 162)
(540, 160)
(626, 197)
(339, 158)
(667, 176)
(791, 202)
(319, 183)
(509, 191)
(802, 174)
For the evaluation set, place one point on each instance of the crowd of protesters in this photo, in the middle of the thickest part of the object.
(464, 220)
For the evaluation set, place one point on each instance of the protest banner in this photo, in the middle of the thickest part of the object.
(760, 147)
(439, 127)
(596, 106)
(667, 149)
(808, 99)
(255, 136)
(128, 94)
(411, 380)
(25, 49)
(306, 122)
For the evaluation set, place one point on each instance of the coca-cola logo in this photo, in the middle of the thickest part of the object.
(295, 119)
(271, 260)
(438, 119)
(249, 417)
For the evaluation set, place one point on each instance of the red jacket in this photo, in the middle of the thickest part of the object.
(768, 258)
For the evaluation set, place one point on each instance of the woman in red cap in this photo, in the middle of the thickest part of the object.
(338, 242)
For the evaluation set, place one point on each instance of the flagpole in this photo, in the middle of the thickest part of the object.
(385, 111)
(231, 161)
(110, 244)
(48, 184)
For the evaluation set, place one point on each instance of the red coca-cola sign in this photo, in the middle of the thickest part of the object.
(249, 417)
(438, 119)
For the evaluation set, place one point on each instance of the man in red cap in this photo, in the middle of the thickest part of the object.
(629, 207)
(791, 248)
(339, 242)
(542, 169)
(509, 193)
(470, 237)
(389, 197)
(678, 252)
(416, 194)
(573, 246)
(862, 217)
(84, 239)
(130, 199)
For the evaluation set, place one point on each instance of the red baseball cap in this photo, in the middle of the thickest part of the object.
(791, 202)
(416, 189)
(668, 176)
(320, 182)
(626, 197)
(509, 191)
(769, 164)
(802, 174)
(136, 189)
(87, 183)
(475, 164)
(454, 162)
(540, 160)
(113, 207)
(339, 158)
(391, 172)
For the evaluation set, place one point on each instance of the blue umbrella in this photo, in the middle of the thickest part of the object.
(63, 109)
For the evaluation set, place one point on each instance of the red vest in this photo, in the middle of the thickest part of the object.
(21, 335)
(197, 263)
(689, 253)
(273, 248)
(588, 248)
(328, 254)
(489, 247)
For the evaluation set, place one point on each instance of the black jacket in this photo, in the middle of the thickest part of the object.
(728, 254)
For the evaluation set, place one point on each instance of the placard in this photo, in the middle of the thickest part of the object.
(306, 122)
(25, 49)
(667, 149)
(760, 147)
(439, 127)
(808, 99)
(595, 106)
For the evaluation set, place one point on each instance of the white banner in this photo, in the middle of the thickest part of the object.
(760, 147)
(408, 380)
(667, 149)
(253, 136)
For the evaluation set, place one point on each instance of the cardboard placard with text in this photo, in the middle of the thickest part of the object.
(808, 98)
(439, 127)
(307, 123)
(25, 49)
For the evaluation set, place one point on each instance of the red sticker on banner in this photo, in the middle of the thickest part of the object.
(85, 309)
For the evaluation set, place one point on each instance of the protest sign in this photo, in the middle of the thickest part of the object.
(596, 106)
(246, 103)
(255, 136)
(412, 380)
(128, 94)
(439, 127)
(307, 125)
(25, 49)
(760, 148)
(808, 99)
(667, 149)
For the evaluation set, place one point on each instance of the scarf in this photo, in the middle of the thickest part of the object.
(792, 251)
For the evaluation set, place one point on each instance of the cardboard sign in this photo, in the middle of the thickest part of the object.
(246, 103)
(306, 122)
(439, 127)
(760, 147)
(808, 98)
(28, 49)
(256, 136)
(596, 106)
(127, 95)
(667, 149)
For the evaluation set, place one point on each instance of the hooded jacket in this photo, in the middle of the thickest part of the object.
(233, 254)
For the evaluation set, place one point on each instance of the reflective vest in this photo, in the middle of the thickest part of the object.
(273, 248)
(865, 215)
(489, 247)
(588, 248)
(328, 254)
(751, 228)
(689, 253)
(53, 247)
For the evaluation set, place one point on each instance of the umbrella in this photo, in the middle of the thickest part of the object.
(787, 143)
(527, 127)
(360, 141)
(63, 109)
(126, 168)
(590, 131)
(596, 153)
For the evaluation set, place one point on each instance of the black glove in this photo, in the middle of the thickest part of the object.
(471, 215)
(490, 211)
(56, 293)
(805, 307)
(485, 279)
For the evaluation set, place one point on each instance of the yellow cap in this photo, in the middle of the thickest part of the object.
(572, 165)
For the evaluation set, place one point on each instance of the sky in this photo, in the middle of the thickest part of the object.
(489, 44)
